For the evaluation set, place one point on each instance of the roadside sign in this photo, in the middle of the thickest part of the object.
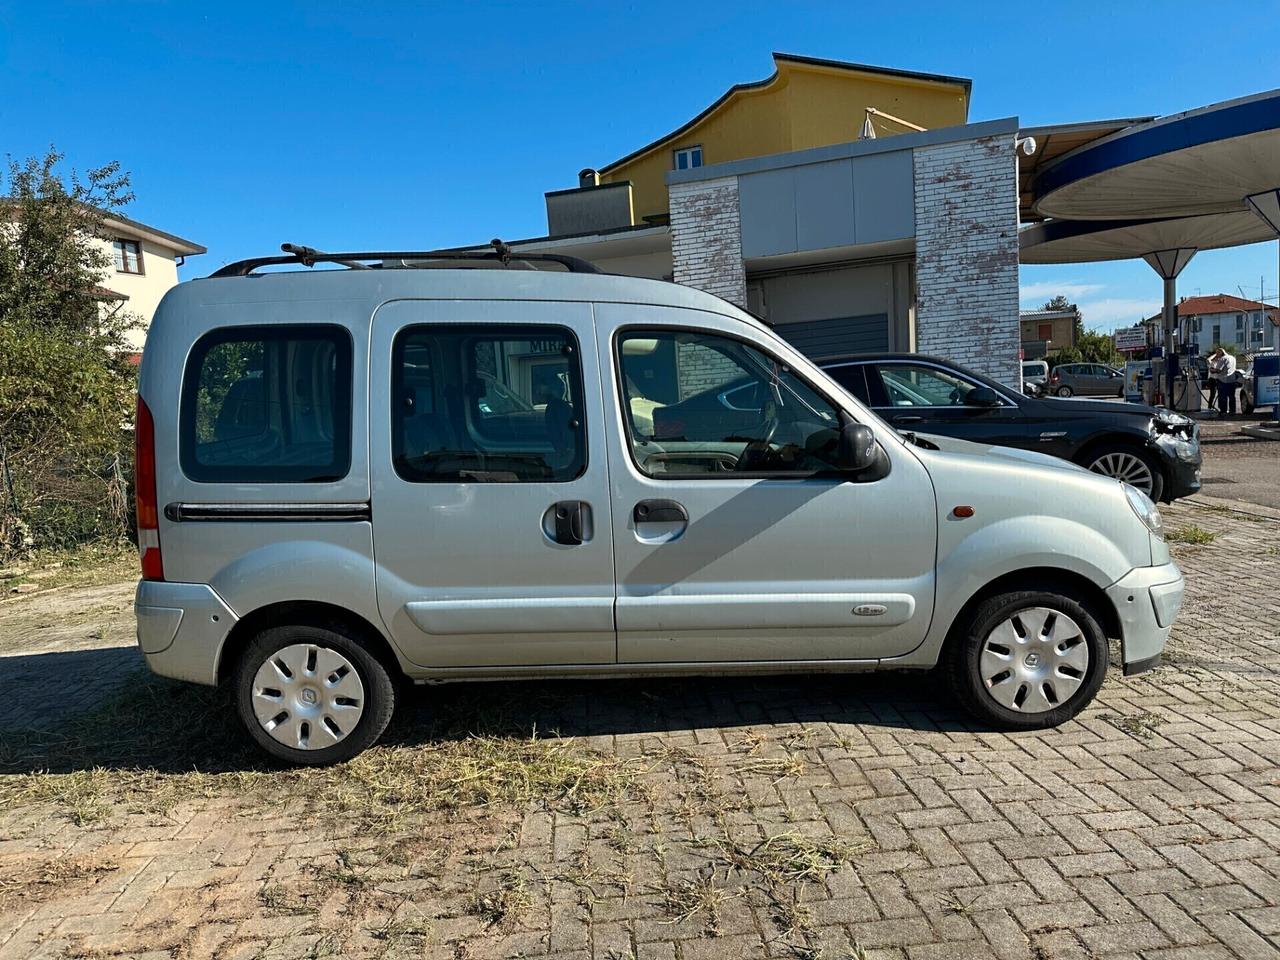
(1131, 338)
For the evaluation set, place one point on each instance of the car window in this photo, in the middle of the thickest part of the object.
(852, 377)
(487, 404)
(700, 404)
(267, 405)
(915, 385)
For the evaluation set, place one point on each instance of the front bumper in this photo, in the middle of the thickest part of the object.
(181, 629)
(1181, 459)
(1147, 601)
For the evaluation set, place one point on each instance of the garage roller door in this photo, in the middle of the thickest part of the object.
(822, 338)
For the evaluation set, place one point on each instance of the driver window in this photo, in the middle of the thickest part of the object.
(909, 385)
(701, 405)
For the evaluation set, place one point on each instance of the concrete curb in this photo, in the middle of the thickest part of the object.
(1221, 504)
(1262, 432)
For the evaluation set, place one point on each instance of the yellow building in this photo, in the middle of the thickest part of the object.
(806, 103)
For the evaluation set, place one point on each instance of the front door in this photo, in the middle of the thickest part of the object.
(490, 509)
(735, 538)
(925, 398)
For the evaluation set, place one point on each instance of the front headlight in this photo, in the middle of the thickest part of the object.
(1167, 421)
(1147, 511)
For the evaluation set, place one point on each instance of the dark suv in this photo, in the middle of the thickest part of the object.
(1155, 450)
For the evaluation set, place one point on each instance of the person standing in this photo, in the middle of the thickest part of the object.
(1222, 372)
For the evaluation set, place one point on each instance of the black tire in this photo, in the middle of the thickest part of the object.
(964, 649)
(1065, 391)
(379, 691)
(1149, 459)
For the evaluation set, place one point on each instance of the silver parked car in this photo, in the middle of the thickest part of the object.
(1085, 380)
(350, 477)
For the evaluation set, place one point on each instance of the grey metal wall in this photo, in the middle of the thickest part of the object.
(824, 338)
(854, 200)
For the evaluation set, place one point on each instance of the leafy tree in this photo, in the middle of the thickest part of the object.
(66, 383)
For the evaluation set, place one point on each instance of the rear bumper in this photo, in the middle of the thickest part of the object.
(181, 629)
(1147, 601)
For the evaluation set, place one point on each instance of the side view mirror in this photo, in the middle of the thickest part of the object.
(983, 397)
(858, 450)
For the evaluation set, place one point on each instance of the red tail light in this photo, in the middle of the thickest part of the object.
(144, 485)
(1053, 377)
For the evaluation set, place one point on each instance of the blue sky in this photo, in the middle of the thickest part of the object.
(422, 125)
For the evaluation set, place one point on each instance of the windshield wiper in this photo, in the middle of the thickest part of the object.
(915, 441)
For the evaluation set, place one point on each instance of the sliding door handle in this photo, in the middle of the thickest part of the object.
(567, 522)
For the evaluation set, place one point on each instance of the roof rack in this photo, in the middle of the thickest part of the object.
(309, 257)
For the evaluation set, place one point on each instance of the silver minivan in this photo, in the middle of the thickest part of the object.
(351, 477)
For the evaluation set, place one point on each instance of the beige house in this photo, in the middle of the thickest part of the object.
(144, 265)
(1045, 332)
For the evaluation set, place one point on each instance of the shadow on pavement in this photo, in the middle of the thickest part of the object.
(113, 714)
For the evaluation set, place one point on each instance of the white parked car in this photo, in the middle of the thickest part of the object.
(347, 477)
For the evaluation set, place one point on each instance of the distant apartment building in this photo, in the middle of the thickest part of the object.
(1045, 332)
(144, 265)
(1249, 326)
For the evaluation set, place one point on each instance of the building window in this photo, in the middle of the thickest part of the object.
(1046, 331)
(688, 157)
(1239, 321)
(128, 255)
(1217, 333)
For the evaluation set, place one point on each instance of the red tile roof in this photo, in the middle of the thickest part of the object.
(1223, 303)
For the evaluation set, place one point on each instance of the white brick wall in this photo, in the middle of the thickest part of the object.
(967, 254)
(706, 238)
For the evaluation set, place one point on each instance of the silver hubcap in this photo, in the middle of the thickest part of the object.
(1035, 660)
(1126, 467)
(307, 697)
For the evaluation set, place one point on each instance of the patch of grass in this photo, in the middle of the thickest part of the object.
(1142, 725)
(787, 858)
(778, 767)
(469, 757)
(700, 897)
(107, 561)
(1191, 535)
(506, 904)
(40, 881)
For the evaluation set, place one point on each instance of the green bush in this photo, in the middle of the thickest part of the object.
(66, 384)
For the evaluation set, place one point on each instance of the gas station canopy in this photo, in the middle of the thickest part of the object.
(1083, 241)
(1201, 161)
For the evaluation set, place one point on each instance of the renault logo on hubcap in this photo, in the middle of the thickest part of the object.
(1032, 660)
(308, 696)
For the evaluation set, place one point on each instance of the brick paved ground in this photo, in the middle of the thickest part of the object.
(842, 817)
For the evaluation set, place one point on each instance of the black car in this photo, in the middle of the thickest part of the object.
(1155, 450)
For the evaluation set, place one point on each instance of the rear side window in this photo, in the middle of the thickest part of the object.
(267, 405)
(487, 404)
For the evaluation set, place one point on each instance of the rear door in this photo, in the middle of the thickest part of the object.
(490, 495)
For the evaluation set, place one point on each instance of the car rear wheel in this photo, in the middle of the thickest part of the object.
(1065, 391)
(1132, 465)
(1027, 660)
(312, 695)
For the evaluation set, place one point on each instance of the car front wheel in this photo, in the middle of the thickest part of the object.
(1134, 466)
(1065, 391)
(312, 695)
(1027, 660)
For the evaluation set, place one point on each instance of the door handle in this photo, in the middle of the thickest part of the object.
(908, 419)
(659, 511)
(567, 522)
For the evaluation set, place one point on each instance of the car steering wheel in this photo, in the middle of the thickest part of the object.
(759, 447)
